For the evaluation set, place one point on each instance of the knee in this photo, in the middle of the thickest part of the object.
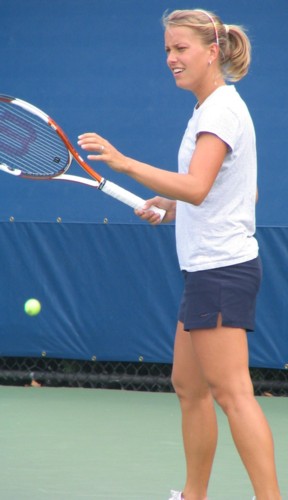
(189, 391)
(179, 387)
(230, 399)
(180, 384)
(223, 398)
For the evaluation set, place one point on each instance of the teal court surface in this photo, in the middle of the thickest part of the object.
(78, 444)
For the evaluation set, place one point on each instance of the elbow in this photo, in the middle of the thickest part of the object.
(195, 194)
(197, 199)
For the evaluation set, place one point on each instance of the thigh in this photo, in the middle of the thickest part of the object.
(222, 355)
(187, 375)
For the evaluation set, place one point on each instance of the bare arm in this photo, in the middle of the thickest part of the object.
(192, 187)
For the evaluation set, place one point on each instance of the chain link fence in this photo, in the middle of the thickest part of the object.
(152, 377)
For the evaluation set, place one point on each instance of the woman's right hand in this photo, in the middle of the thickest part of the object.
(168, 205)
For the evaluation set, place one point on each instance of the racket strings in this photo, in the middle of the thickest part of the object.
(30, 144)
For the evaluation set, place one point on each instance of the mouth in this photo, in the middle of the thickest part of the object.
(177, 71)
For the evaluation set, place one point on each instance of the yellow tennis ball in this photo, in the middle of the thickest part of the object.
(32, 307)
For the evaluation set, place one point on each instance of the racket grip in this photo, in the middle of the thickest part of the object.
(128, 198)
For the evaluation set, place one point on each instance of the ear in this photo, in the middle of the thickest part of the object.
(213, 51)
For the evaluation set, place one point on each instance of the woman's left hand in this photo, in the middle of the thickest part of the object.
(93, 142)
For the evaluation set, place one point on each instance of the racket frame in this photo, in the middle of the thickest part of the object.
(98, 182)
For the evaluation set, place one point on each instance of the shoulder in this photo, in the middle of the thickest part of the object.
(220, 115)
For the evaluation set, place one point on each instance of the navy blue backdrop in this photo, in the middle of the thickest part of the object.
(109, 284)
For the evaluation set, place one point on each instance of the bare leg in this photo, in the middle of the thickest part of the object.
(199, 425)
(223, 357)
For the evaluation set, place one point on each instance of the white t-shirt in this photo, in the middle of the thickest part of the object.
(219, 232)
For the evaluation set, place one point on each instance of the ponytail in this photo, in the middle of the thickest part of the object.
(235, 53)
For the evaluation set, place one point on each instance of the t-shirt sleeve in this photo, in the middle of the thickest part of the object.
(221, 121)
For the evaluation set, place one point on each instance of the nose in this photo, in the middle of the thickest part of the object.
(171, 58)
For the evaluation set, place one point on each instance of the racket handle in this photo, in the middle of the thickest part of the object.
(128, 198)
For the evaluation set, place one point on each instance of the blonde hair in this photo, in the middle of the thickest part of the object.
(234, 44)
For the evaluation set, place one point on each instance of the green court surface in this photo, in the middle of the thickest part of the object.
(78, 444)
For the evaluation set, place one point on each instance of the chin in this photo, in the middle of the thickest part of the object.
(183, 86)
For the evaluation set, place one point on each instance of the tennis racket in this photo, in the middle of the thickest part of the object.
(33, 146)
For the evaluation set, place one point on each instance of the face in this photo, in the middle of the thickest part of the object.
(187, 58)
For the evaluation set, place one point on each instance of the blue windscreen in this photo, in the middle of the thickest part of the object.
(109, 284)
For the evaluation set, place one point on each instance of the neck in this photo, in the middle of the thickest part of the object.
(204, 93)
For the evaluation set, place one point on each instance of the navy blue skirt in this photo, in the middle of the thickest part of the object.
(230, 291)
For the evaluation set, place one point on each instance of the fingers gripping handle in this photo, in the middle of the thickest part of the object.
(128, 198)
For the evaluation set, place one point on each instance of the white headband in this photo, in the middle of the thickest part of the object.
(214, 25)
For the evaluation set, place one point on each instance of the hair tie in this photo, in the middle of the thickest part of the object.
(226, 28)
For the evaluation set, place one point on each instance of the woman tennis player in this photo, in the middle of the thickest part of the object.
(216, 190)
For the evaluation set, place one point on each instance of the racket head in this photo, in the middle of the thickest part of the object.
(30, 145)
